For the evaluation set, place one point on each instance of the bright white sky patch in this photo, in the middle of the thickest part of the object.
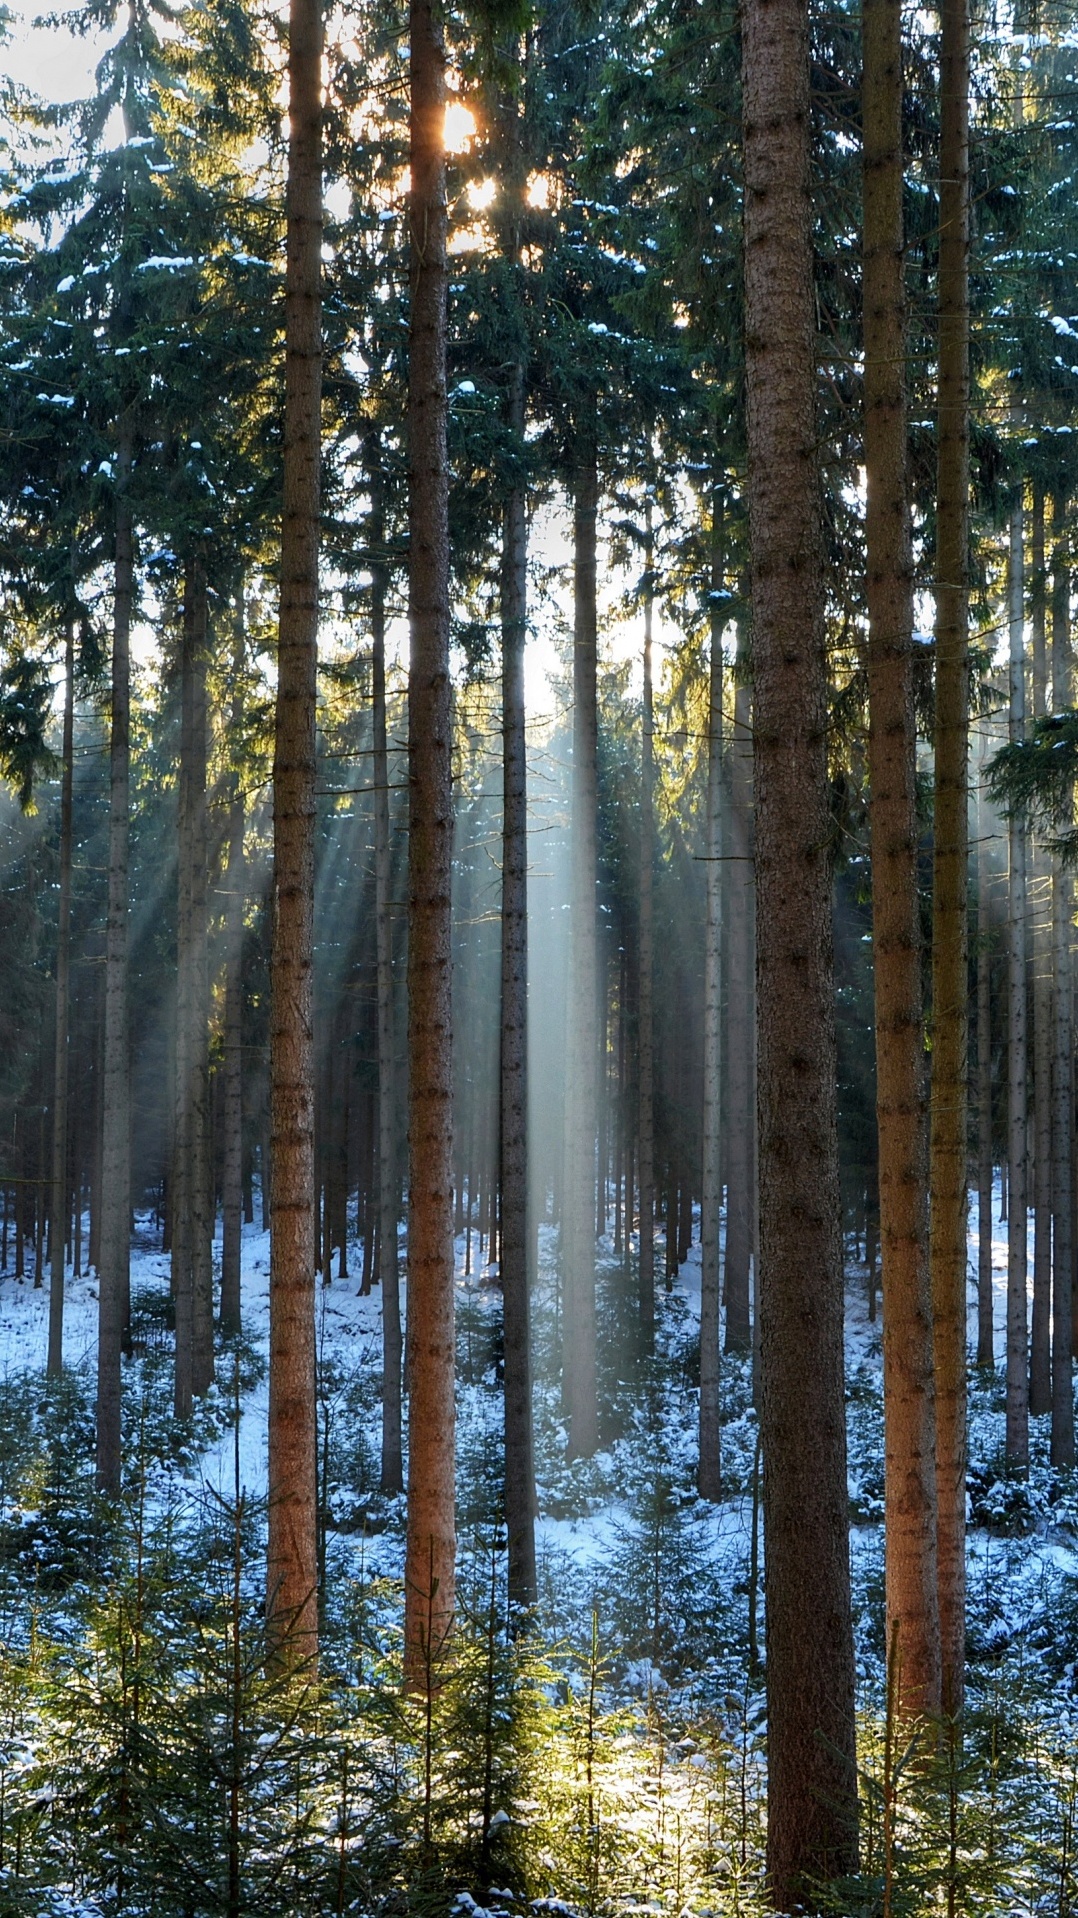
(54, 64)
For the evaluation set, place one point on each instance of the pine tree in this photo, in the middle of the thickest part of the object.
(1017, 1431)
(113, 1266)
(431, 1542)
(581, 1097)
(812, 1806)
(291, 1569)
(900, 1093)
(1040, 1365)
(232, 1115)
(645, 959)
(947, 1146)
(192, 1228)
(392, 1469)
(709, 1475)
(1062, 1442)
(58, 1184)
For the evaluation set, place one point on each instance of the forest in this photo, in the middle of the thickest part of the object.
(538, 961)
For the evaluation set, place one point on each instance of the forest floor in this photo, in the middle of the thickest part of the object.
(593, 1514)
(661, 1590)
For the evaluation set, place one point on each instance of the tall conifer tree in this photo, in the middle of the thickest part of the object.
(948, 1144)
(292, 1561)
(430, 1561)
(812, 1796)
(909, 1442)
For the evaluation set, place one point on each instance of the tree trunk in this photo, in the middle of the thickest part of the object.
(192, 1257)
(431, 1542)
(812, 1780)
(708, 1475)
(202, 1185)
(392, 1470)
(114, 1279)
(179, 1191)
(1040, 1359)
(97, 1144)
(292, 1556)
(578, 1226)
(645, 960)
(1017, 1420)
(947, 1144)
(232, 1183)
(985, 1338)
(519, 1466)
(58, 1181)
(909, 1423)
(1062, 1439)
(740, 1023)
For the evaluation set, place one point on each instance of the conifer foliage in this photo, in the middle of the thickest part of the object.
(538, 762)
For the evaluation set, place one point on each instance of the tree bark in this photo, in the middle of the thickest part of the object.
(578, 1192)
(1062, 1439)
(740, 1023)
(909, 1411)
(985, 1333)
(709, 1474)
(947, 1142)
(235, 899)
(114, 1277)
(645, 962)
(1040, 1357)
(1017, 1417)
(202, 1184)
(812, 1782)
(431, 1541)
(192, 1255)
(58, 1207)
(392, 1466)
(515, 1263)
(292, 1557)
(179, 1192)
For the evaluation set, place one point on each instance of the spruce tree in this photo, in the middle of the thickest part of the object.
(812, 1800)
(291, 1567)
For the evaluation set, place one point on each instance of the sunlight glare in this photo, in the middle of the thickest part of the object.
(460, 128)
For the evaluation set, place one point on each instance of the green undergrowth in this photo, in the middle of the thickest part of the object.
(609, 1759)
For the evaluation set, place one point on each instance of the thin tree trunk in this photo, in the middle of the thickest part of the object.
(947, 1143)
(578, 1234)
(115, 1184)
(985, 1338)
(430, 1567)
(709, 1475)
(1040, 1357)
(232, 1194)
(602, 1013)
(93, 1250)
(1017, 1419)
(202, 1185)
(58, 1182)
(812, 1781)
(180, 1184)
(292, 1555)
(392, 1471)
(519, 1465)
(909, 1422)
(740, 1023)
(645, 961)
(1062, 1439)
(41, 1183)
(192, 1260)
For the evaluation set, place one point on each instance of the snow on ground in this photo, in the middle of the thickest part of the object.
(587, 1508)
